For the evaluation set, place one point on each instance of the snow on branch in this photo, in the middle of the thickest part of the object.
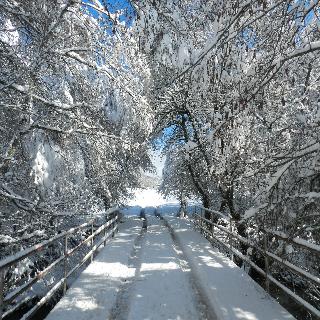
(102, 69)
(56, 104)
(8, 193)
(310, 47)
(102, 9)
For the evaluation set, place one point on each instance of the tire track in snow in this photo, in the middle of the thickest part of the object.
(202, 301)
(120, 309)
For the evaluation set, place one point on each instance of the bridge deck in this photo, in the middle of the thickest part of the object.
(168, 271)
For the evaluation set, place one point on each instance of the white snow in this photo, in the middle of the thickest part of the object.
(164, 273)
(289, 249)
(158, 161)
(44, 162)
(9, 33)
(36, 233)
(183, 56)
(93, 294)
(5, 239)
(310, 195)
(149, 198)
(309, 47)
(162, 286)
(253, 211)
(250, 251)
(276, 176)
(296, 240)
(22, 267)
(190, 145)
(232, 293)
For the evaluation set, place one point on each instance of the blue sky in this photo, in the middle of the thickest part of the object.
(165, 135)
(113, 6)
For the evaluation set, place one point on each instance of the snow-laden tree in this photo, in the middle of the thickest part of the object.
(237, 83)
(74, 118)
(228, 63)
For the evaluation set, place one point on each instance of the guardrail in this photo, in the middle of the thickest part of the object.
(208, 228)
(108, 229)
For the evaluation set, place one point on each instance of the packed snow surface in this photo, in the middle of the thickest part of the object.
(165, 271)
(163, 289)
(232, 293)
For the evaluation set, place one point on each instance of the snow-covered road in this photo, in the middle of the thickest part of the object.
(163, 289)
(167, 271)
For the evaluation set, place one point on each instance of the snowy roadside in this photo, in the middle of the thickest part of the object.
(94, 293)
(231, 292)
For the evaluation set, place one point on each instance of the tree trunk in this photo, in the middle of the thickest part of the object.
(203, 192)
(228, 203)
(183, 207)
(207, 204)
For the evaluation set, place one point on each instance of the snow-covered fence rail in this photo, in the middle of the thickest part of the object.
(207, 226)
(105, 231)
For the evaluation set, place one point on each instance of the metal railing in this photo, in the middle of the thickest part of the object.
(207, 226)
(108, 229)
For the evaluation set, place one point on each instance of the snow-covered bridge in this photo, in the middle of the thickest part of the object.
(165, 271)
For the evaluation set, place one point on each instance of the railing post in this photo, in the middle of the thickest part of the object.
(230, 240)
(91, 258)
(65, 264)
(104, 235)
(266, 261)
(194, 217)
(2, 278)
(116, 221)
(112, 226)
(212, 226)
